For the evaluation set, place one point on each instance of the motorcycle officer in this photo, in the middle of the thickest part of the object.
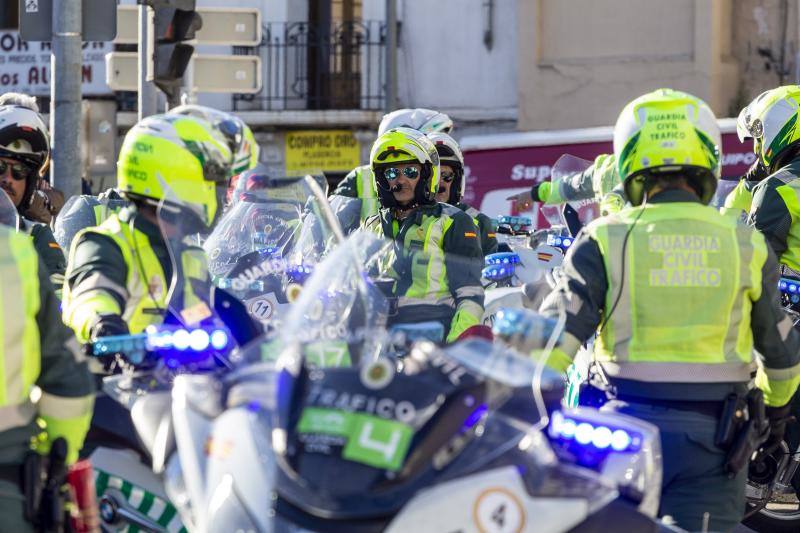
(37, 351)
(681, 297)
(24, 158)
(360, 183)
(600, 181)
(406, 169)
(451, 188)
(119, 273)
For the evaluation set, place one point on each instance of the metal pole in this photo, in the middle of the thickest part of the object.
(148, 94)
(66, 62)
(391, 55)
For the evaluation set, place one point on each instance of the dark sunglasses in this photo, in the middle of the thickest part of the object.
(448, 177)
(19, 171)
(392, 173)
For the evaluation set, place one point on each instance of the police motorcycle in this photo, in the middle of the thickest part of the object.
(321, 427)
(267, 243)
(526, 266)
(131, 443)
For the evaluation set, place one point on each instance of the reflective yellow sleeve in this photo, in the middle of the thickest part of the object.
(79, 313)
(64, 417)
(778, 385)
(467, 315)
(739, 199)
(558, 360)
(550, 193)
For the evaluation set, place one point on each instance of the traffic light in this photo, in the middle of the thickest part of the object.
(174, 21)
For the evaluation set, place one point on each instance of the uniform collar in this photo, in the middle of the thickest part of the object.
(672, 196)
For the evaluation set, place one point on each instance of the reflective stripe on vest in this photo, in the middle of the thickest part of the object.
(21, 355)
(366, 192)
(141, 287)
(679, 257)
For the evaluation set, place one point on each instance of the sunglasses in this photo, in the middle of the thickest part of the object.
(19, 171)
(392, 173)
(448, 177)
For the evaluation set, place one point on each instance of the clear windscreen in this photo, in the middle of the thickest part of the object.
(82, 212)
(267, 244)
(8, 212)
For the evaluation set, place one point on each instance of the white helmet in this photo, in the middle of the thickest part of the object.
(450, 154)
(420, 119)
(23, 137)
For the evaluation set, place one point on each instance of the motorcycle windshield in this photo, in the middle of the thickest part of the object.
(724, 188)
(269, 241)
(8, 212)
(570, 169)
(82, 212)
(356, 427)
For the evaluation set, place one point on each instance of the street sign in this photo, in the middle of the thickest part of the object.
(211, 73)
(223, 26)
(227, 74)
(98, 18)
(122, 71)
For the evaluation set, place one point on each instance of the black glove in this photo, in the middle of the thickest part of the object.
(108, 325)
(778, 418)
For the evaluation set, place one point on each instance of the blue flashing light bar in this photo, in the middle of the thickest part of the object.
(498, 272)
(501, 258)
(791, 288)
(252, 285)
(588, 434)
(509, 322)
(515, 222)
(559, 241)
(182, 340)
(176, 346)
(299, 273)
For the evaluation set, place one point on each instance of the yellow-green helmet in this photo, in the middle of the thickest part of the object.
(182, 153)
(240, 137)
(668, 132)
(404, 145)
(771, 121)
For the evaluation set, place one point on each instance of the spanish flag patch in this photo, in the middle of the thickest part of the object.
(54, 245)
(470, 234)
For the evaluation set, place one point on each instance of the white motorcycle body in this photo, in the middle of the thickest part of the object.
(134, 488)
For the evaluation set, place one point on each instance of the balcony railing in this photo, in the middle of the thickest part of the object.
(305, 66)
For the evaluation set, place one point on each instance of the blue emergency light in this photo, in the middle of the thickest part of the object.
(559, 241)
(791, 288)
(569, 430)
(501, 258)
(498, 272)
(172, 343)
(252, 285)
(299, 273)
(516, 222)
